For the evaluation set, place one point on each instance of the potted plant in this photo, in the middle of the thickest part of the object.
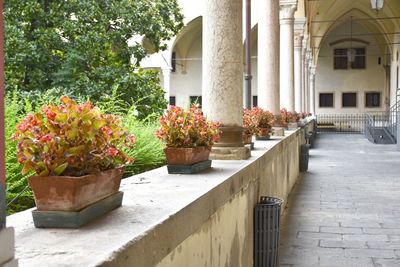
(188, 137)
(292, 120)
(263, 121)
(280, 123)
(249, 126)
(75, 151)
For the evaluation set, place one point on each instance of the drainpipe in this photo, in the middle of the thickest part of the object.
(247, 75)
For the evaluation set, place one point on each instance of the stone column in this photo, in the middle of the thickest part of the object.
(166, 82)
(305, 83)
(297, 73)
(299, 24)
(268, 55)
(223, 74)
(287, 9)
(307, 78)
(312, 90)
(304, 77)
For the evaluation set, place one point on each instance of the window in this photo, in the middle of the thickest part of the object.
(373, 100)
(255, 101)
(359, 59)
(173, 62)
(326, 100)
(172, 100)
(341, 60)
(349, 100)
(195, 99)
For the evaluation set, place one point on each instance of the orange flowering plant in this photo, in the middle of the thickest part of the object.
(303, 115)
(283, 118)
(71, 139)
(250, 123)
(258, 120)
(293, 117)
(187, 128)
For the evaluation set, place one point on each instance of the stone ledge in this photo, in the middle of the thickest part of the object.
(159, 211)
(7, 245)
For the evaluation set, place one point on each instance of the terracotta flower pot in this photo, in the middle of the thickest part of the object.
(247, 138)
(264, 132)
(69, 193)
(186, 156)
(292, 125)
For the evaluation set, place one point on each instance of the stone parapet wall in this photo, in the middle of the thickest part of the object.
(173, 220)
(226, 237)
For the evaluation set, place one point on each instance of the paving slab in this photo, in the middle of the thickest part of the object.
(345, 211)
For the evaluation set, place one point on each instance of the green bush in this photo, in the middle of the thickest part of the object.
(15, 109)
(148, 151)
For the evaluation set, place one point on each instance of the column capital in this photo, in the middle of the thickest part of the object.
(308, 54)
(298, 40)
(312, 71)
(304, 44)
(299, 24)
(166, 70)
(287, 9)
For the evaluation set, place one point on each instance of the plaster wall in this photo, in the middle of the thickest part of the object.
(329, 80)
(226, 238)
(186, 81)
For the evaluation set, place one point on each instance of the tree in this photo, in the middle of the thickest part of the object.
(83, 47)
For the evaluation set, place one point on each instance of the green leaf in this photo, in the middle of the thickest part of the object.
(98, 124)
(75, 150)
(60, 169)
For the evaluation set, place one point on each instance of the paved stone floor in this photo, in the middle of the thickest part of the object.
(345, 211)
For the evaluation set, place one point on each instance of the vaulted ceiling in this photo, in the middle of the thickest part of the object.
(325, 15)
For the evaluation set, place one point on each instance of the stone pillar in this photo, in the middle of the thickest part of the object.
(268, 56)
(299, 24)
(307, 78)
(167, 82)
(297, 74)
(312, 90)
(287, 9)
(304, 73)
(223, 74)
(305, 83)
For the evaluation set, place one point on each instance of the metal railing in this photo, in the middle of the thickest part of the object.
(382, 123)
(369, 129)
(340, 123)
(392, 119)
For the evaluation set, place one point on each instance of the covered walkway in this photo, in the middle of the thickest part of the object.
(346, 210)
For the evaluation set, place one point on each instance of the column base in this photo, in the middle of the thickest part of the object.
(7, 250)
(231, 137)
(230, 153)
(12, 263)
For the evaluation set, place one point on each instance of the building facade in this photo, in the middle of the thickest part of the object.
(332, 57)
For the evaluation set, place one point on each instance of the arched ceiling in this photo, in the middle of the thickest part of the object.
(325, 15)
(189, 34)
